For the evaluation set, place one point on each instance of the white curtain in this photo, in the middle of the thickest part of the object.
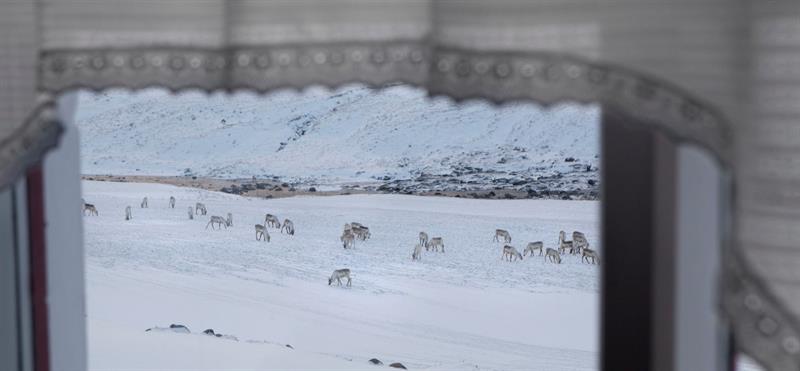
(721, 73)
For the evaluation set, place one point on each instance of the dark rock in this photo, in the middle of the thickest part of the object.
(261, 186)
(509, 196)
(312, 189)
(285, 185)
(569, 159)
(375, 361)
(398, 365)
(209, 332)
(292, 189)
(268, 196)
(173, 326)
(591, 182)
(289, 346)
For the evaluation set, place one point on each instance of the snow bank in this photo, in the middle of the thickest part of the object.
(465, 309)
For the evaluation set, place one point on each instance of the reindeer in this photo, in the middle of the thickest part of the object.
(229, 220)
(532, 247)
(417, 254)
(434, 244)
(579, 242)
(200, 208)
(338, 275)
(128, 215)
(361, 232)
(510, 252)
(171, 202)
(423, 238)
(220, 221)
(588, 253)
(92, 210)
(191, 213)
(261, 232)
(288, 225)
(552, 255)
(272, 221)
(502, 233)
(348, 239)
(348, 227)
(563, 244)
(144, 203)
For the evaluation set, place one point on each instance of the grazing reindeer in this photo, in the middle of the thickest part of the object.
(579, 242)
(288, 225)
(144, 203)
(261, 232)
(423, 238)
(417, 254)
(220, 221)
(128, 215)
(272, 221)
(92, 210)
(533, 246)
(200, 208)
(502, 233)
(191, 213)
(510, 252)
(563, 244)
(229, 221)
(362, 233)
(338, 275)
(552, 256)
(435, 243)
(348, 239)
(589, 253)
(171, 202)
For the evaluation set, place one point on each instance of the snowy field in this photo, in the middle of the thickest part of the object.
(465, 309)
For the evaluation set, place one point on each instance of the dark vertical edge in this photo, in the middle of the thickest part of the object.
(627, 225)
(36, 223)
(18, 295)
(664, 252)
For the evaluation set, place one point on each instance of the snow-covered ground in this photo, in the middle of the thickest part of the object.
(353, 134)
(462, 310)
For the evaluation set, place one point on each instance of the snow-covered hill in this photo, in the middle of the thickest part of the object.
(349, 135)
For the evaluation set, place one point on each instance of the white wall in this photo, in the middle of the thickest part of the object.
(64, 246)
(699, 338)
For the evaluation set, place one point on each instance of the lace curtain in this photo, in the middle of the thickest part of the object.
(721, 73)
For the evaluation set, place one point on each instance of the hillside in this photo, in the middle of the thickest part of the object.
(398, 139)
